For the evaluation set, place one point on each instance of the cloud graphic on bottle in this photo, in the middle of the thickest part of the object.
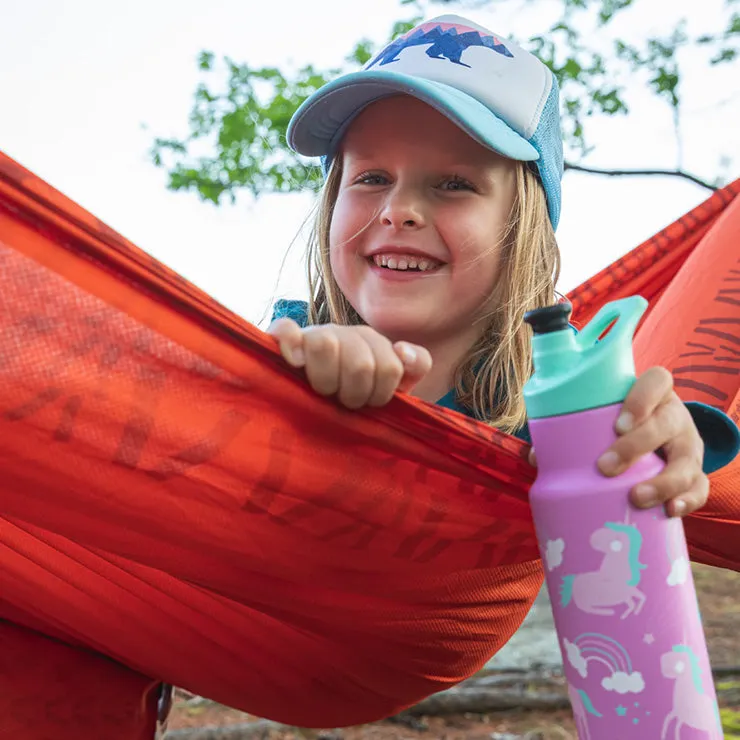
(554, 553)
(573, 652)
(624, 683)
(679, 572)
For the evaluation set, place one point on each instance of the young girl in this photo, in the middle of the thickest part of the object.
(435, 234)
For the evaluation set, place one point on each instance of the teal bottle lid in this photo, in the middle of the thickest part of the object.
(578, 371)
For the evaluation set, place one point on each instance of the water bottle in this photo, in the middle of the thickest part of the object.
(622, 592)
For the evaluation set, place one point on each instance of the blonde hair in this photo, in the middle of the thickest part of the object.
(491, 378)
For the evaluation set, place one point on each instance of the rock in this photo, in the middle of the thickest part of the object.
(534, 644)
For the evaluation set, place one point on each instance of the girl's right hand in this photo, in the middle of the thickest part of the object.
(355, 363)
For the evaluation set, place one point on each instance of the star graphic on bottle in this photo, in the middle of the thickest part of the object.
(621, 711)
(648, 639)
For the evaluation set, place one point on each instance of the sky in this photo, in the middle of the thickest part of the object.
(86, 86)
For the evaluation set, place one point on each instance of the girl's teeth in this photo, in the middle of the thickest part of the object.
(403, 263)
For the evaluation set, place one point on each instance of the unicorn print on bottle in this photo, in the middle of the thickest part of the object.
(581, 705)
(693, 707)
(616, 580)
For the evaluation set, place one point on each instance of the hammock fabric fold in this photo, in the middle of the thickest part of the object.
(176, 503)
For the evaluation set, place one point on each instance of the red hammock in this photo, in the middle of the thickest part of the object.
(175, 502)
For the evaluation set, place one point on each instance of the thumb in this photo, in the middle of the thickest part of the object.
(290, 338)
(417, 362)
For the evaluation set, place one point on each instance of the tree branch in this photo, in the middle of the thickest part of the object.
(669, 173)
(260, 730)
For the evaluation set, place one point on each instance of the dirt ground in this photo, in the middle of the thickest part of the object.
(719, 596)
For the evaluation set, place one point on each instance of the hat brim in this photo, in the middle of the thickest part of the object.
(317, 127)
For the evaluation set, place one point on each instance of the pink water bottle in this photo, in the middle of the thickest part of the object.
(619, 578)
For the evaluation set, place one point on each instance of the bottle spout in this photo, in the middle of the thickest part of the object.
(554, 346)
(550, 318)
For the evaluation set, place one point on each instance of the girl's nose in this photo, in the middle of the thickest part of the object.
(403, 210)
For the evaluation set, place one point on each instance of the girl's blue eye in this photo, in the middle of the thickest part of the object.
(455, 184)
(370, 179)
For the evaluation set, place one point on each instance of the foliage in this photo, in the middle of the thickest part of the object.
(730, 723)
(237, 136)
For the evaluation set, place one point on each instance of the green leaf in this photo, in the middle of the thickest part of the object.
(665, 84)
(402, 27)
(610, 8)
(361, 54)
(724, 55)
(571, 69)
(609, 101)
(205, 60)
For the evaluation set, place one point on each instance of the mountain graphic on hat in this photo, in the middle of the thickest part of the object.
(448, 41)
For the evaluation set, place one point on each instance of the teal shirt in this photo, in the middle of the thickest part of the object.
(720, 433)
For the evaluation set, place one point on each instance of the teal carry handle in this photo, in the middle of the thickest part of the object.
(578, 371)
(626, 312)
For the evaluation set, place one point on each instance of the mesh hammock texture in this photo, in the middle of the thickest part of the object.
(177, 505)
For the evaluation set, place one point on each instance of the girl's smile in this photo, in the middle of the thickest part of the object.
(399, 263)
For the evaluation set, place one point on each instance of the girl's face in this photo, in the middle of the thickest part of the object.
(415, 238)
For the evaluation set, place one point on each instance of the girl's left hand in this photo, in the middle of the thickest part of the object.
(654, 418)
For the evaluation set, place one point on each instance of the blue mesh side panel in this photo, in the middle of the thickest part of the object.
(548, 141)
